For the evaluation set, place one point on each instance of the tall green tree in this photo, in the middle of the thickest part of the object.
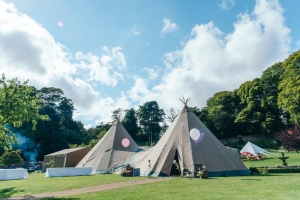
(260, 113)
(60, 130)
(93, 142)
(116, 114)
(202, 114)
(172, 115)
(18, 104)
(272, 115)
(222, 112)
(130, 123)
(289, 95)
(93, 132)
(150, 116)
(251, 116)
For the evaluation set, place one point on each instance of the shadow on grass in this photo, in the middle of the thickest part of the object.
(265, 175)
(8, 192)
(28, 197)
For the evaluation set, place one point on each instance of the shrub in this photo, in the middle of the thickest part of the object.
(290, 138)
(277, 169)
(11, 157)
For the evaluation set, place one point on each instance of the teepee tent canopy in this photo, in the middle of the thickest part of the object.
(254, 149)
(111, 152)
(190, 142)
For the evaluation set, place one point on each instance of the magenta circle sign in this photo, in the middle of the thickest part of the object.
(125, 142)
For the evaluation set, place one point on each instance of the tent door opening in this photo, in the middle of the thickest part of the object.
(175, 170)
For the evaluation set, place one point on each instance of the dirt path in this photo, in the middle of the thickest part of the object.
(90, 189)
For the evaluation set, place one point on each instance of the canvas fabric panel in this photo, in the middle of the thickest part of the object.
(210, 151)
(110, 152)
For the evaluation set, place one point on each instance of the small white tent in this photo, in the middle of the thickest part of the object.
(254, 149)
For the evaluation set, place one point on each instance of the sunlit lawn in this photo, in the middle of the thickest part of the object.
(272, 186)
(294, 159)
(275, 186)
(37, 183)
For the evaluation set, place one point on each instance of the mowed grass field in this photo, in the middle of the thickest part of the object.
(37, 183)
(258, 186)
(277, 186)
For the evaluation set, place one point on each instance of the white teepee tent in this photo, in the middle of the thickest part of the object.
(188, 141)
(111, 152)
(254, 149)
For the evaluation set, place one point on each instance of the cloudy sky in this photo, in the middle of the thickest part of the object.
(114, 54)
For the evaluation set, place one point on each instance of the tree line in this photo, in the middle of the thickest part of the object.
(266, 105)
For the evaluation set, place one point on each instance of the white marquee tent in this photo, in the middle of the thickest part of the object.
(254, 149)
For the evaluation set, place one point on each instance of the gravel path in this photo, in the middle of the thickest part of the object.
(90, 189)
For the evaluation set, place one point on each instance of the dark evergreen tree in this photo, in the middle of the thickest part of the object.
(130, 123)
(150, 116)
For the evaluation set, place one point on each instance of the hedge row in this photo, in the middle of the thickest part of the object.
(264, 170)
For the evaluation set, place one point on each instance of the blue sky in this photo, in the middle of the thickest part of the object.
(119, 54)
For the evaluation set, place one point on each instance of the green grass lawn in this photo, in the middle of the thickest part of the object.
(276, 186)
(271, 186)
(37, 183)
(294, 159)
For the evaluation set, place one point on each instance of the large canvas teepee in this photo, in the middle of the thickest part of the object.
(190, 142)
(111, 152)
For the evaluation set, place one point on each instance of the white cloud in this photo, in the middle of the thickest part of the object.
(168, 26)
(211, 61)
(103, 107)
(134, 30)
(139, 90)
(29, 51)
(100, 68)
(88, 126)
(226, 4)
(152, 72)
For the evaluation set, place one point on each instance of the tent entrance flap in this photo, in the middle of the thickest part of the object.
(175, 170)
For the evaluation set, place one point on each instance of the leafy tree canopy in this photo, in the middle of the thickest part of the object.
(11, 157)
(18, 104)
(172, 115)
(61, 130)
(116, 115)
(289, 95)
(222, 111)
(150, 115)
(272, 116)
(130, 123)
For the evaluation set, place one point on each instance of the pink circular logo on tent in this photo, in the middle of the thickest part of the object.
(125, 142)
